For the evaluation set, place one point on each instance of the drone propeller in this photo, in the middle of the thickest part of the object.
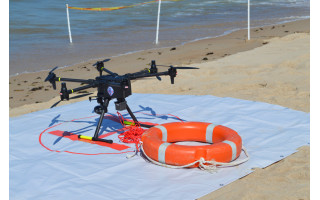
(105, 60)
(100, 67)
(53, 69)
(179, 67)
(51, 76)
(172, 70)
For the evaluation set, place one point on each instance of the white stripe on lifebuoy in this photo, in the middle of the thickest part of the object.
(164, 132)
(162, 152)
(233, 147)
(209, 133)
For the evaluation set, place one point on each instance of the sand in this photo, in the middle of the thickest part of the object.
(273, 67)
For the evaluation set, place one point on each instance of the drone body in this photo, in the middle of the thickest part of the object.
(111, 86)
(114, 88)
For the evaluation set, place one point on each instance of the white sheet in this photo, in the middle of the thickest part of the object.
(269, 132)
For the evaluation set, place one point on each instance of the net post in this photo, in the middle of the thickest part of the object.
(248, 19)
(158, 22)
(69, 29)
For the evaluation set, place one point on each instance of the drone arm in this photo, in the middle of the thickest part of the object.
(140, 75)
(137, 73)
(80, 88)
(172, 72)
(109, 72)
(64, 93)
(89, 81)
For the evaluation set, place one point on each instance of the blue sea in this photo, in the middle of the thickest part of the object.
(39, 37)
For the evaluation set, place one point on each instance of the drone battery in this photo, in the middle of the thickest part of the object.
(121, 105)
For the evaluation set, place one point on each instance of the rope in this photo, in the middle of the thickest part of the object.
(117, 7)
(133, 134)
(210, 166)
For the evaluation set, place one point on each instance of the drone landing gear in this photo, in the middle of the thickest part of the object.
(120, 104)
(99, 110)
(130, 113)
(104, 109)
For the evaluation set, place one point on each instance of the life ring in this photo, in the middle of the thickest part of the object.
(225, 144)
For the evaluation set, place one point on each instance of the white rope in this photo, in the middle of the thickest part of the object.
(128, 156)
(210, 166)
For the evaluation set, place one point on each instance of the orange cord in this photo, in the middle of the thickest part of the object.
(133, 134)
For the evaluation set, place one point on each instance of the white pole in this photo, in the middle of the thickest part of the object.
(158, 22)
(70, 37)
(248, 19)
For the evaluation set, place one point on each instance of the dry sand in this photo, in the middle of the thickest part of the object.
(273, 67)
(277, 73)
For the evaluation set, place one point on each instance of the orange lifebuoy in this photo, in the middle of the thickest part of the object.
(158, 143)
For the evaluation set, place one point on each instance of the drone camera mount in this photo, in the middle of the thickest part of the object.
(121, 105)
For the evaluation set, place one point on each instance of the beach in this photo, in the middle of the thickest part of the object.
(273, 67)
(39, 36)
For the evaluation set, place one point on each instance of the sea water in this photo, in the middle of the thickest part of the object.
(39, 37)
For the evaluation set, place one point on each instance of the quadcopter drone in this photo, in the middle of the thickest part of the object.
(111, 86)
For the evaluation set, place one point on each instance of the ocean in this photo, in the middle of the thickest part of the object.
(39, 40)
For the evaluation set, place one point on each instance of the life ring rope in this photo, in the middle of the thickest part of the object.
(208, 165)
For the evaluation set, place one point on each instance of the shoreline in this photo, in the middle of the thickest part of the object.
(29, 89)
(159, 48)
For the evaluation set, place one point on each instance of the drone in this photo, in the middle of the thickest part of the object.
(111, 86)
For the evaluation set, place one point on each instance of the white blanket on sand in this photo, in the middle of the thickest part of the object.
(269, 132)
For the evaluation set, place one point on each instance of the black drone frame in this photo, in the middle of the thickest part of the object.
(111, 86)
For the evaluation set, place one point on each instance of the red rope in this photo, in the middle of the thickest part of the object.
(133, 134)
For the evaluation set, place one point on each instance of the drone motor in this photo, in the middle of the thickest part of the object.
(64, 92)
